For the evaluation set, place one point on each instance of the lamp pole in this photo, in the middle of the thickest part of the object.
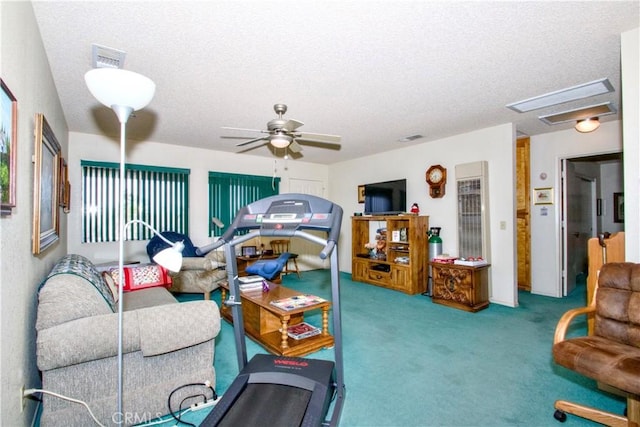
(123, 114)
(124, 92)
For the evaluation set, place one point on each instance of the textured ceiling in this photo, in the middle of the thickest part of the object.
(371, 71)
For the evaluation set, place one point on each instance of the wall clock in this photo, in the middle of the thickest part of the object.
(437, 179)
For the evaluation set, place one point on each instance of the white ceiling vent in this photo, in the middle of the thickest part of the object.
(585, 90)
(582, 113)
(107, 57)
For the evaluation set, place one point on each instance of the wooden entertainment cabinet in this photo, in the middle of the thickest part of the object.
(405, 267)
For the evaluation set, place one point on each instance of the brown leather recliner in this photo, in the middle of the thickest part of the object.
(611, 355)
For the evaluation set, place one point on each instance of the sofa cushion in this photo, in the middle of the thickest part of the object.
(67, 297)
(82, 267)
(149, 297)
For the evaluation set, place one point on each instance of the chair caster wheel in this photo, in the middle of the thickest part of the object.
(560, 416)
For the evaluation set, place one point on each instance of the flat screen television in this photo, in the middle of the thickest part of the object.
(385, 198)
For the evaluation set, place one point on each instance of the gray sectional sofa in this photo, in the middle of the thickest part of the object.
(166, 345)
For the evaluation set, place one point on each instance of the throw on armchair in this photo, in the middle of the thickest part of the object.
(198, 274)
(268, 268)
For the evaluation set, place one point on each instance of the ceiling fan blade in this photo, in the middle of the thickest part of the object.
(292, 125)
(254, 147)
(263, 138)
(243, 129)
(320, 137)
(294, 147)
(319, 144)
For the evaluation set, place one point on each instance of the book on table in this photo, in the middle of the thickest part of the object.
(250, 279)
(302, 330)
(297, 301)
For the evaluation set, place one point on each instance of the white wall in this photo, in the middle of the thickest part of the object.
(630, 52)
(547, 150)
(611, 182)
(24, 68)
(495, 145)
(199, 161)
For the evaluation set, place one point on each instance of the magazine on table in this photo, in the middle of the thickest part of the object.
(297, 301)
(302, 330)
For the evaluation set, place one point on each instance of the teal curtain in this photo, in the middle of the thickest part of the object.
(156, 195)
(228, 192)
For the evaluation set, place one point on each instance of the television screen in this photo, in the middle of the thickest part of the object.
(385, 198)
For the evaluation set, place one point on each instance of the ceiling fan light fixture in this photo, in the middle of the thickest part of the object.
(280, 141)
(587, 125)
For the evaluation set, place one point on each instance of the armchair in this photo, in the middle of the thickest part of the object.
(611, 355)
(198, 274)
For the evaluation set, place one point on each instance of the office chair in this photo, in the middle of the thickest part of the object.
(282, 246)
(611, 355)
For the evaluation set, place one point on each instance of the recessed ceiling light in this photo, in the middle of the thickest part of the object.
(410, 138)
(585, 90)
(576, 114)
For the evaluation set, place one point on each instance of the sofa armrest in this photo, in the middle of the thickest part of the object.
(152, 330)
(166, 328)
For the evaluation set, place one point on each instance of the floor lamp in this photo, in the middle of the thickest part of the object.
(124, 92)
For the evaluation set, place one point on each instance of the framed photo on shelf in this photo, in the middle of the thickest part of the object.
(543, 196)
(8, 149)
(249, 251)
(618, 207)
(46, 187)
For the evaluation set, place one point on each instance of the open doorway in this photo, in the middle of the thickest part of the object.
(590, 188)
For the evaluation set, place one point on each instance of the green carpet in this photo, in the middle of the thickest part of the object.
(409, 362)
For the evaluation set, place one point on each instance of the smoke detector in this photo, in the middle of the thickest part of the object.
(107, 57)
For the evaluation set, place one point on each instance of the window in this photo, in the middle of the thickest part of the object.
(157, 195)
(229, 192)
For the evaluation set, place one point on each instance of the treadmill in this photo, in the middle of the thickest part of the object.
(275, 390)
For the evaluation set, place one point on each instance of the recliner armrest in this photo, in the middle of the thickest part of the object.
(199, 263)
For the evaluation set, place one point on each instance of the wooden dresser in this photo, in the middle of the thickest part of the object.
(459, 286)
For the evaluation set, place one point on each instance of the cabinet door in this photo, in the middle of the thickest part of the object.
(401, 278)
(359, 270)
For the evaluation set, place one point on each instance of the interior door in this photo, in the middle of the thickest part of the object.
(523, 196)
(579, 220)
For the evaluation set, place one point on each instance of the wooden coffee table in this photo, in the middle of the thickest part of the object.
(267, 324)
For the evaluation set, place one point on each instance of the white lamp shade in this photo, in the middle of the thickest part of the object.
(113, 86)
(170, 258)
(588, 125)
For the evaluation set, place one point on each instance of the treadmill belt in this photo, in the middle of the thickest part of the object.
(268, 405)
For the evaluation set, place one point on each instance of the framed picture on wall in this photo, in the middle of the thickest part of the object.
(618, 207)
(543, 196)
(46, 190)
(8, 149)
(360, 193)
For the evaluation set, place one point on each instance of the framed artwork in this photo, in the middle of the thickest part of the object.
(46, 186)
(360, 193)
(543, 196)
(62, 184)
(8, 149)
(618, 207)
(249, 251)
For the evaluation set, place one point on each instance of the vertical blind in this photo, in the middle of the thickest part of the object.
(228, 192)
(158, 196)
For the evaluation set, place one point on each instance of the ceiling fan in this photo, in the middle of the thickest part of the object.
(282, 133)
